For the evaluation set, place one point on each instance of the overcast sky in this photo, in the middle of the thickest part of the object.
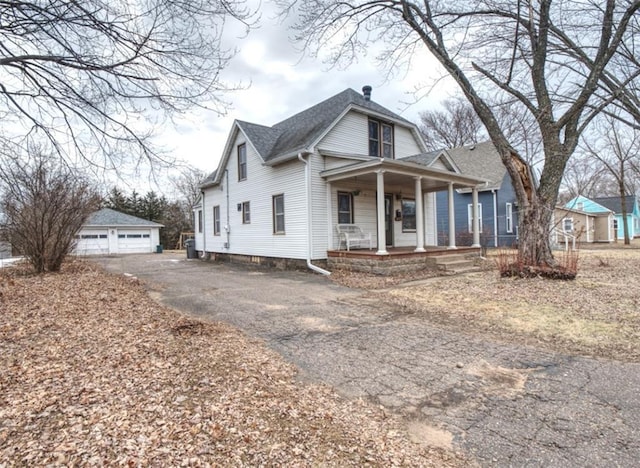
(281, 82)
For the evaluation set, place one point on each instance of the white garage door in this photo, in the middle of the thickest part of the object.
(92, 242)
(138, 241)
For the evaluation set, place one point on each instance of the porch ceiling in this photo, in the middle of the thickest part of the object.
(400, 172)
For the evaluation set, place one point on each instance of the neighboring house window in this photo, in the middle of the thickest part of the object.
(509, 218)
(408, 215)
(567, 224)
(216, 220)
(246, 213)
(470, 217)
(580, 206)
(199, 220)
(242, 161)
(278, 214)
(345, 208)
(380, 139)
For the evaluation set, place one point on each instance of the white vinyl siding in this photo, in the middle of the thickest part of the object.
(351, 136)
(256, 238)
(405, 142)
(470, 217)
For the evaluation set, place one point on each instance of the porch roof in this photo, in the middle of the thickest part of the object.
(400, 170)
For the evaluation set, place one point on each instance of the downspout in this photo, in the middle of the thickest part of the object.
(204, 230)
(227, 226)
(307, 185)
(495, 218)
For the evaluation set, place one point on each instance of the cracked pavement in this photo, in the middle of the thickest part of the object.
(501, 404)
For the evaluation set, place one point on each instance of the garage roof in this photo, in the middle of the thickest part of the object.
(112, 218)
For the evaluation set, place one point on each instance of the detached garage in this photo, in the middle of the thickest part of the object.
(110, 232)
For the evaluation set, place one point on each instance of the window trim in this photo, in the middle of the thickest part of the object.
(380, 138)
(470, 217)
(351, 210)
(564, 224)
(509, 218)
(276, 215)
(415, 218)
(242, 161)
(246, 212)
(216, 220)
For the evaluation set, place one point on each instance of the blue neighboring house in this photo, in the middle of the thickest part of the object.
(497, 199)
(614, 204)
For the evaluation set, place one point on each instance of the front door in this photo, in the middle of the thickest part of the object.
(388, 217)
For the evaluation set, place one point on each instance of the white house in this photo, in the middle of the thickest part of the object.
(111, 232)
(279, 192)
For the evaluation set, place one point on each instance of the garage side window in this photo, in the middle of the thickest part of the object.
(278, 214)
(216, 220)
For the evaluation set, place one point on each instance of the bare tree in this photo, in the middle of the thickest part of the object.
(585, 176)
(187, 185)
(95, 77)
(557, 61)
(456, 125)
(44, 206)
(616, 146)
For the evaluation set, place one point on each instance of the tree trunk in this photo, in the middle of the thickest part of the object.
(625, 221)
(534, 245)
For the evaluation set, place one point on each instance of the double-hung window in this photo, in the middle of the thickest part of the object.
(380, 139)
(216, 220)
(242, 162)
(345, 208)
(278, 214)
(470, 217)
(567, 224)
(246, 213)
(509, 218)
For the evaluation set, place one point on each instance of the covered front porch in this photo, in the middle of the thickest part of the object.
(394, 200)
(403, 259)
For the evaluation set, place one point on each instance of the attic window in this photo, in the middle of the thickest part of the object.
(380, 139)
(242, 162)
(580, 206)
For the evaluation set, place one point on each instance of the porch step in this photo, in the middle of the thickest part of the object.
(453, 263)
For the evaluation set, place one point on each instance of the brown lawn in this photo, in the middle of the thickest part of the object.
(96, 373)
(598, 314)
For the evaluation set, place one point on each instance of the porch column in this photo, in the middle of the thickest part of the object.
(452, 219)
(382, 238)
(330, 241)
(476, 221)
(419, 217)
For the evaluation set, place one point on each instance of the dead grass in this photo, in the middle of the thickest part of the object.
(96, 373)
(598, 314)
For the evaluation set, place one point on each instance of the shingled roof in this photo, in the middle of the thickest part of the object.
(480, 160)
(615, 203)
(299, 131)
(109, 217)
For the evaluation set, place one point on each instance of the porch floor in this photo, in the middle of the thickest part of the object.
(402, 252)
(403, 259)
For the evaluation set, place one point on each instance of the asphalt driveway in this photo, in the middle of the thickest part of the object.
(505, 405)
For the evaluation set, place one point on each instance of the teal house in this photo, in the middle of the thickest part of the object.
(612, 204)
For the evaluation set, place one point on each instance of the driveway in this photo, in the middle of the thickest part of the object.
(504, 405)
